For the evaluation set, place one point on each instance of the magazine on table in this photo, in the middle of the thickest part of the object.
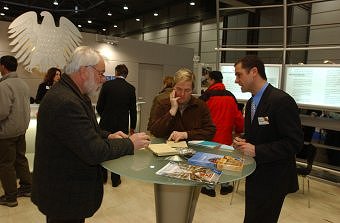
(189, 172)
(217, 162)
(209, 144)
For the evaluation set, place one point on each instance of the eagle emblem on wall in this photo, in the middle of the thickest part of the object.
(42, 46)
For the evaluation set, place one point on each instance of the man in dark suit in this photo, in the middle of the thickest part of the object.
(117, 100)
(273, 136)
(67, 177)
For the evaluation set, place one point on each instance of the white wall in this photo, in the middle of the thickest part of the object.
(129, 51)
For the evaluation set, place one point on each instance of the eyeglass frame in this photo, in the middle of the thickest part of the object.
(100, 73)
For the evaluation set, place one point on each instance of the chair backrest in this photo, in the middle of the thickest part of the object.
(307, 153)
(311, 153)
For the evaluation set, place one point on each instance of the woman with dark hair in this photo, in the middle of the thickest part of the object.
(52, 76)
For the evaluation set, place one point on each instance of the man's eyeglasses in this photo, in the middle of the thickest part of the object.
(187, 91)
(100, 73)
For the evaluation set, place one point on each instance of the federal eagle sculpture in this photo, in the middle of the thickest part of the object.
(41, 46)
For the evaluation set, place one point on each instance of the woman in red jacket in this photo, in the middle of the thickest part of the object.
(225, 115)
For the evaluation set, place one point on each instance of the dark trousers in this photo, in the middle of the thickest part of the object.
(57, 220)
(115, 178)
(265, 209)
(13, 165)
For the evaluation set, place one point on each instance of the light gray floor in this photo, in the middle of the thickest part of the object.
(133, 201)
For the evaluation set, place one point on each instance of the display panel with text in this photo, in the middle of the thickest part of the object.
(314, 85)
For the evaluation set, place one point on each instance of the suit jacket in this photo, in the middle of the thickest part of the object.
(67, 177)
(117, 99)
(276, 144)
(42, 90)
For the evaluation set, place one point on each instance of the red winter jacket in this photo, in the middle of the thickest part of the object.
(224, 113)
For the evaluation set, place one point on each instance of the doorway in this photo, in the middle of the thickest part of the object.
(149, 85)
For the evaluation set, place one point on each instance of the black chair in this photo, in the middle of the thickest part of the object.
(308, 154)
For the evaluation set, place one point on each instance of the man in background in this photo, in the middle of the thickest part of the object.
(116, 103)
(226, 117)
(273, 136)
(70, 145)
(14, 120)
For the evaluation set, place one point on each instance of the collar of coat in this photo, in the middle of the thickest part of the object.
(9, 75)
(66, 79)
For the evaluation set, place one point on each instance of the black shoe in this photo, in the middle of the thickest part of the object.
(117, 183)
(209, 192)
(4, 201)
(23, 193)
(226, 190)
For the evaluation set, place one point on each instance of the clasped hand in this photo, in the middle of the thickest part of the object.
(243, 146)
(139, 140)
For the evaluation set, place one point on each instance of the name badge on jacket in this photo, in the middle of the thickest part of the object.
(263, 120)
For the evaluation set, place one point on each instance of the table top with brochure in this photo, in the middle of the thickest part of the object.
(145, 165)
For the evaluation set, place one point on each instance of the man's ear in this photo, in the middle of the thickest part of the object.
(83, 72)
(254, 71)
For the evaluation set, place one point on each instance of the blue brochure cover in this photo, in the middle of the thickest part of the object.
(205, 160)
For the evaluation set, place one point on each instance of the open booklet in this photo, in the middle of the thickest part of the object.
(167, 149)
(189, 172)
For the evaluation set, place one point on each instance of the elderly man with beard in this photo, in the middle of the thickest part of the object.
(67, 177)
(181, 116)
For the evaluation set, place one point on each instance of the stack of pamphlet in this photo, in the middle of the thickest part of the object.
(215, 161)
(189, 172)
(209, 144)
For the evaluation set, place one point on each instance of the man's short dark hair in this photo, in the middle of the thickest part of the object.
(122, 70)
(216, 75)
(9, 62)
(250, 61)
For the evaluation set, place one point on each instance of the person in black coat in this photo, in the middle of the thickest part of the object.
(52, 76)
(116, 102)
(273, 136)
(70, 146)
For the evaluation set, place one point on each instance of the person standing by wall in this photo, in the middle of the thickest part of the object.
(116, 102)
(14, 120)
(70, 146)
(273, 136)
(226, 117)
(52, 76)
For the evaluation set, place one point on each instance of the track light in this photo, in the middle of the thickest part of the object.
(2, 14)
(79, 26)
(6, 7)
(109, 14)
(76, 9)
(192, 3)
(125, 7)
(115, 26)
(155, 14)
(137, 19)
(89, 21)
(55, 2)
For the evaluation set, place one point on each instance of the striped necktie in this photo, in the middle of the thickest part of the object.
(252, 109)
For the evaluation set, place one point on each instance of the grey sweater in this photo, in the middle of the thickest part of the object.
(14, 106)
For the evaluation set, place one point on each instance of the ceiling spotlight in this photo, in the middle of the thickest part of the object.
(104, 29)
(79, 26)
(89, 21)
(125, 7)
(115, 26)
(55, 2)
(192, 3)
(2, 14)
(109, 14)
(5, 7)
(137, 19)
(155, 14)
(76, 9)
